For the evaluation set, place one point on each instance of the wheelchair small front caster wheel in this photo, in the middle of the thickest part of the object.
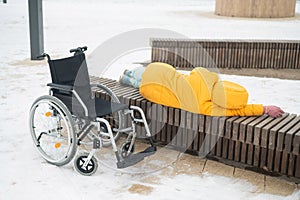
(124, 149)
(91, 167)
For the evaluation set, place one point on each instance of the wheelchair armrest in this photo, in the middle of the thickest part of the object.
(66, 88)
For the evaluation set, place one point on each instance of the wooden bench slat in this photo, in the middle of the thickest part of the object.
(296, 144)
(222, 127)
(275, 129)
(287, 130)
(266, 129)
(250, 128)
(236, 127)
(258, 130)
(243, 128)
(289, 135)
(297, 168)
(229, 122)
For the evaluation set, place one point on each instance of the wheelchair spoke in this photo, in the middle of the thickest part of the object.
(52, 130)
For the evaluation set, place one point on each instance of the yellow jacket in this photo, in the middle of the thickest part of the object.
(199, 92)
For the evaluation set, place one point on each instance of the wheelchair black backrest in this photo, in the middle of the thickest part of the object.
(66, 71)
(73, 71)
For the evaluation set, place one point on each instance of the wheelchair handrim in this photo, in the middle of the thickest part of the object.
(69, 127)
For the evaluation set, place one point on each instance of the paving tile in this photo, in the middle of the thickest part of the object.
(254, 178)
(188, 164)
(279, 186)
(218, 168)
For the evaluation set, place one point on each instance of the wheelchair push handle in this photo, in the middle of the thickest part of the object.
(78, 49)
(43, 56)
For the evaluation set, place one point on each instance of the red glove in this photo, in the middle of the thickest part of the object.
(273, 111)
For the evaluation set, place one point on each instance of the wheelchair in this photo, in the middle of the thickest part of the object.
(70, 116)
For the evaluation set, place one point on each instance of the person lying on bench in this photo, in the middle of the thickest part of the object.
(199, 92)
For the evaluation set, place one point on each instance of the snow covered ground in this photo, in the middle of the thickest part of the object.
(72, 23)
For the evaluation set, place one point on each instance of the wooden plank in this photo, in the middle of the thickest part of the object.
(264, 56)
(231, 149)
(273, 140)
(176, 117)
(182, 142)
(296, 144)
(275, 130)
(153, 112)
(236, 128)
(267, 55)
(219, 147)
(287, 55)
(144, 107)
(195, 122)
(243, 128)
(237, 151)
(229, 127)
(258, 130)
(214, 135)
(159, 122)
(225, 146)
(290, 134)
(266, 130)
(277, 161)
(256, 156)
(251, 57)
(284, 54)
(297, 168)
(244, 152)
(243, 55)
(191, 140)
(170, 124)
(221, 132)
(251, 127)
(222, 126)
(175, 130)
(127, 97)
(284, 162)
(297, 57)
(263, 157)
(250, 154)
(292, 165)
(201, 134)
(208, 127)
(283, 131)
(228, 135)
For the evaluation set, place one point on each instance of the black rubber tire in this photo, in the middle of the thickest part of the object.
(91, 167)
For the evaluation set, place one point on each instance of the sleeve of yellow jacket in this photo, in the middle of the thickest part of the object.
(248, 110)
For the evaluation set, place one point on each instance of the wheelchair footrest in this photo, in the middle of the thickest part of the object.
(136, 158)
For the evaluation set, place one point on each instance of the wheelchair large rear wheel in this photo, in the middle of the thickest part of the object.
(52, 129)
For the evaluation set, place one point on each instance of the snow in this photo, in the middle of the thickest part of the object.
(72, 23)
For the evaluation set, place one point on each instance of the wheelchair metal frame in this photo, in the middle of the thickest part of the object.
(85, 125)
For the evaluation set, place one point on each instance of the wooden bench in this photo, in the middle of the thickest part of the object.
(273, 58)
(259, 143)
